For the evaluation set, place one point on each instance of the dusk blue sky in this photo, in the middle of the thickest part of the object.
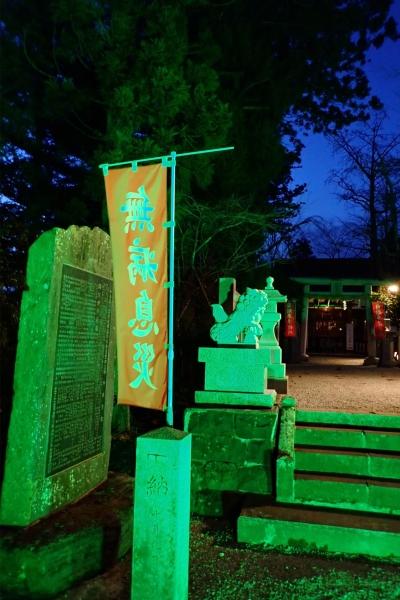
(317, 160)
(383, 72)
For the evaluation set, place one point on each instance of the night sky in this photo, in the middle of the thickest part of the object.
(383, 72)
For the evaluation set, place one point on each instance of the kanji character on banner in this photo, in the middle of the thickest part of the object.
(144, 353)
(141, 264)
(144, 314)
(138, 208)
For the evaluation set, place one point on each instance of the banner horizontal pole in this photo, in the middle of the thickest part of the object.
(206, 151)
(130, 162)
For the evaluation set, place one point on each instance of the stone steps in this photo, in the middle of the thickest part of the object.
(264, 521)
(339, 460)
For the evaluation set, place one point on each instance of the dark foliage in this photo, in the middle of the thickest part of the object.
(87, 82)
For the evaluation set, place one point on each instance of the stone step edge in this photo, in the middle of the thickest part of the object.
(246, 399)
(264, 507)
(344, 478)
(310, 528)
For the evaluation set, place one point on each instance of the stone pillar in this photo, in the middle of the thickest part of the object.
(160, 560)
(371, 339)
(59, 436)
(386, 358)
(303, 356)
(277, 378)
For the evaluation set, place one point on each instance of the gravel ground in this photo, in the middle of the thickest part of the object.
(344, 384)
(222, 569)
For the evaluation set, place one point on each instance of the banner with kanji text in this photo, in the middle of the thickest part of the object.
(290, 319)
(378, 310)
(137, 210)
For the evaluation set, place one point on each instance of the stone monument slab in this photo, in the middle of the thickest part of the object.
(60, 428)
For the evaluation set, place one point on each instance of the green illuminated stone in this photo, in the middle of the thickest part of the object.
(210, 421)
(232, 423)
(266, 399)
(354, 495)
(257, 425)
(217, 447)
(221, 476)
(288, 401)
(372, 466)
(256, 450)
(276, 372)
(243, 324)
(311, 529)
(286, 436)
(160, 561)
(271, 317)
(384, 498)
(198, 481)
(285, 479)
(357, 494)
(348, 439)
(285, 462)
(354, 419)
(339, 459)
(277, 378)
(255, 479)
(232, 451)
(60, 429)
(234, 369)
(207, 502)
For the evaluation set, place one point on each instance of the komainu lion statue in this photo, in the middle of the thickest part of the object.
(245, 319)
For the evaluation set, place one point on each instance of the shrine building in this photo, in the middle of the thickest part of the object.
(337, 292)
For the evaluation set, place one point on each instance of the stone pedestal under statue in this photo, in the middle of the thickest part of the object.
(236, 376)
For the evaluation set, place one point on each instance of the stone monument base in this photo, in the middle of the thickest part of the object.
(72, 544)
(265, 400)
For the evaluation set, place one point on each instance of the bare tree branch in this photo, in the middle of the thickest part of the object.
(369, 181)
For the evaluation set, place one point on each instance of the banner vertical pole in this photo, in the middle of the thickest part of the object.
(170, 415)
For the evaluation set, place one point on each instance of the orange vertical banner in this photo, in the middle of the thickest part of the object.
(137, 209)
